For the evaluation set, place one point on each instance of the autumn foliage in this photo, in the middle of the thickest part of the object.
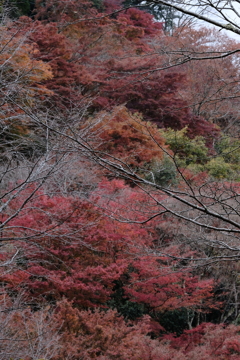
(90, 260)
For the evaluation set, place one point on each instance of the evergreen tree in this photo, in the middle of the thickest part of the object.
(19, 7)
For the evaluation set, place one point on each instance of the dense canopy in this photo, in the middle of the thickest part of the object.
(119, 190)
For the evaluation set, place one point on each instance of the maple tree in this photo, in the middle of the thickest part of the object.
(111, 338)
(53, 49)
(106, 335)
(21, 79)
(168, 291)
(76, 243)
(129, 138)
(66, 264)
(72, 250)
(161, 12)
(155, 96)
(111, 199)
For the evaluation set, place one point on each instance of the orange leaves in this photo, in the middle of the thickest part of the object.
(21, 78)
(102, 335)
(127, 137)
(17, 61)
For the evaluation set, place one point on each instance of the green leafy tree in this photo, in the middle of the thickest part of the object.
(186, 151)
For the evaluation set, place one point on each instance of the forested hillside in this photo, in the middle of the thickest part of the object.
(120, 184)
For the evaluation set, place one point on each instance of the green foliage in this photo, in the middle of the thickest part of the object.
(186, 150)
(219, 169)
(98, 4)
(229, 149)
(226, 164)
(193, 154)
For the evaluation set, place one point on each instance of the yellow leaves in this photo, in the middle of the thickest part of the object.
(20, 61)
(21, 77)
(18, 65)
